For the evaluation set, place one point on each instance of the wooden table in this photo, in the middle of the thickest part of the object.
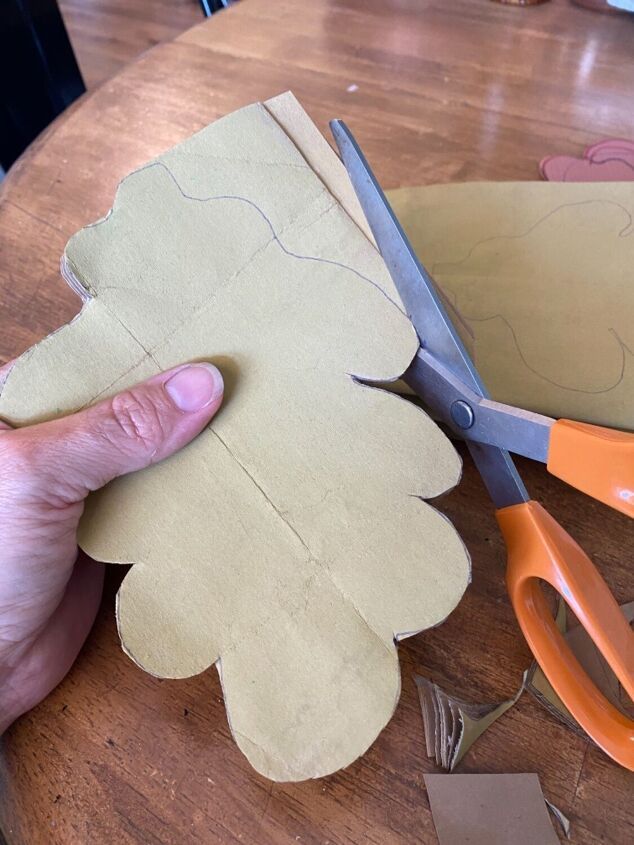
(447, 91)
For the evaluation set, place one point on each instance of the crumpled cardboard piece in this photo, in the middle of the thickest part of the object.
(289, 544)
(541, 272)
(592, 662)
(489, 809)
(451, 725)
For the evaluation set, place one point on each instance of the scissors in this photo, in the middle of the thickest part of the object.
(598, 461)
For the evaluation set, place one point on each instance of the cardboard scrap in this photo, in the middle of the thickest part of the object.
(451, 725)
(541, 272)
(594, 664)
(489, 810)
(563, 820)
(288, 544)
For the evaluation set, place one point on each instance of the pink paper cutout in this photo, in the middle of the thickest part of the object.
(610, 160)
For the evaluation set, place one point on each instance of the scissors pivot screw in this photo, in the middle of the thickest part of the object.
(462, 414)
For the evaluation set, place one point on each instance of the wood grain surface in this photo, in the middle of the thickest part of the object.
(446, 92)
(107, 34)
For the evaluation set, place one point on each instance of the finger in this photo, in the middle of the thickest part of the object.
(134, 429)
(50, 655)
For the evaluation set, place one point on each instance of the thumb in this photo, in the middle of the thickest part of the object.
(130, 431)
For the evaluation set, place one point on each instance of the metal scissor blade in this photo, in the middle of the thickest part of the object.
(414, 284)
(494, 464)
(435, 329)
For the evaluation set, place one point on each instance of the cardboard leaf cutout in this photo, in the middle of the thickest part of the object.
(541, 272)
(289, 543)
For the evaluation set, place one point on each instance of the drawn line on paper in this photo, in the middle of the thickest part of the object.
(623, 233)
(203, 305)
(626, 231)
(623, 346)
(266, 219)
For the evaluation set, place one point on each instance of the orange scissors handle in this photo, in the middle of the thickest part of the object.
(539, 549)
(598, 461)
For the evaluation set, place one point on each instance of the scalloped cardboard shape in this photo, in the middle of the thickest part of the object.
(289, 544)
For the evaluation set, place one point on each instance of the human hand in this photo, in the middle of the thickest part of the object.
(48, 594)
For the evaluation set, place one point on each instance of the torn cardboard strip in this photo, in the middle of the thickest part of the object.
(288, 544)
